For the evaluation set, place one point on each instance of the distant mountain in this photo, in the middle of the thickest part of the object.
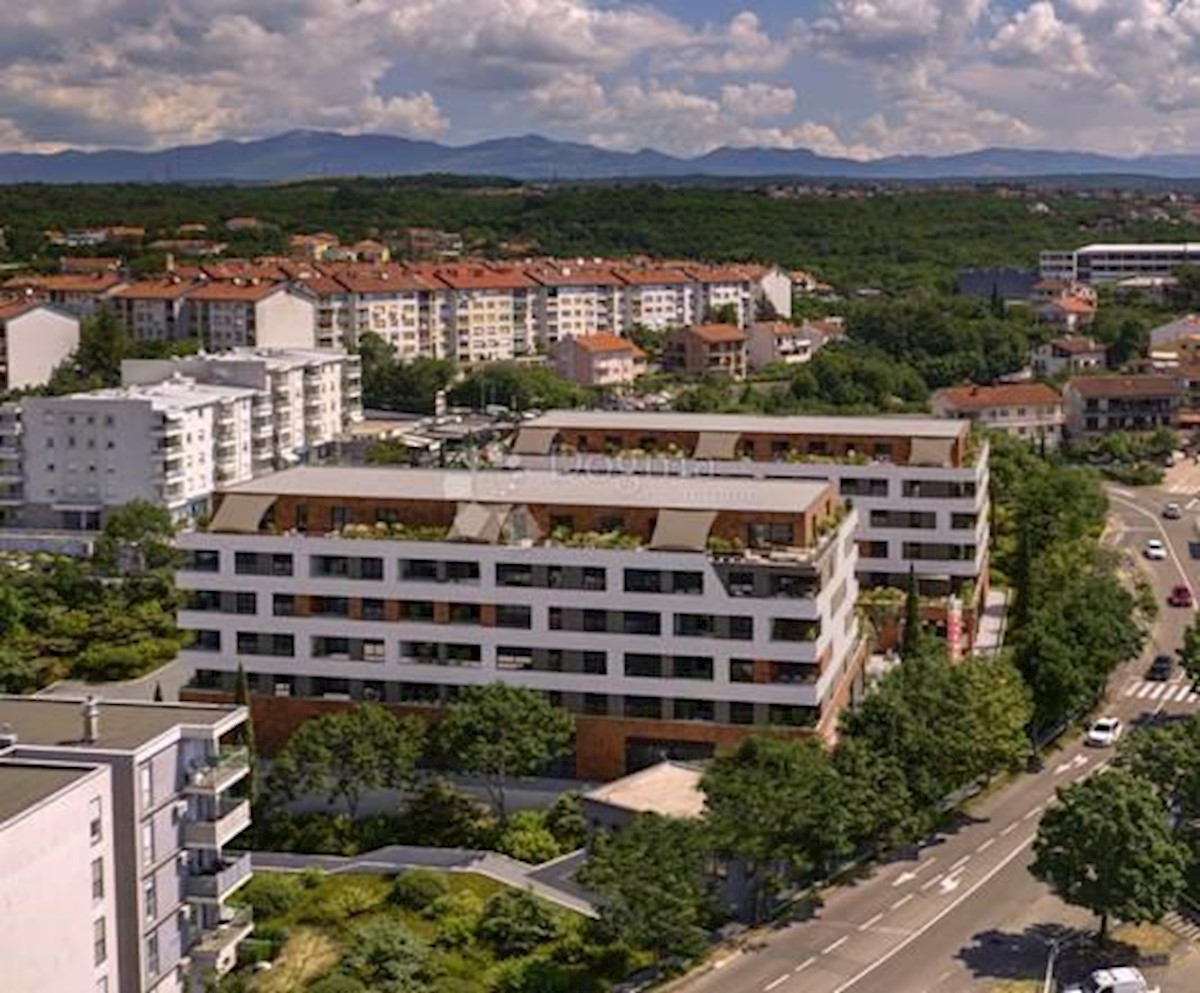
(306, 154)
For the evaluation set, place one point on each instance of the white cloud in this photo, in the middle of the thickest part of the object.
(753, 101)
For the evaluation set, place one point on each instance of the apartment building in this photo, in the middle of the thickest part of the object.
(80, 296)
(155, 310)
(12, 473)
(1032, 412)
(707, 348)
(768, 342)
(1102, 404)
(1111, 263)
(919, 484)
(1072, 354)
(115, 822)
(34, 338)
(402, 306)
(671, 616)
(488, 313)
(658, 298)
(600, 359)
(249, 314)
(576, 299)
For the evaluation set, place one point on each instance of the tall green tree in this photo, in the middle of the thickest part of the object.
(875, 804)
(650, 883)
(500, 731)
(912, 616)
(1106, 846)
(1189, 653)
(340, 756)
(136, 538)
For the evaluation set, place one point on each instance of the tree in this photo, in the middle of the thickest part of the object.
(1000, 709)
(516, 386)
(515, 922)
(650, 884)
(1189, 653)
(775, 804)
(500, 731)
(912, 616)
(387, 957)
(341, 755)
(1168, 757)
(1106, 847)
(136, 538)
(874, 801)
(104, 342)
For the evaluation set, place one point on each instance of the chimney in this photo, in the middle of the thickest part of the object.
(91, 719)
(169, 262)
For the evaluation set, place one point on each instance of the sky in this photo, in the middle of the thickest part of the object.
(860, 78)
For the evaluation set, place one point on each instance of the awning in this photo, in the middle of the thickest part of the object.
(682, 530)
(521, 526)
(931, 452)
(479, 522)
(242, 513)
(716, 445)
(534, 441)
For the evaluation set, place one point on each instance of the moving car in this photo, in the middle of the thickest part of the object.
(1161, 668)
(1104, 732)
(1172, 511)
(1120, 979)
(1181, 596)
(1155, 550)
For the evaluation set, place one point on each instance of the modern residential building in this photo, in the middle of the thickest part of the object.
(402, 306)
(919, 484)
(671, 616)
(1030, 411)
(707, 348)
(1102, 404)
(34, 338)
(1069, 312)
(488, 313)
(81, 296)
(1112, 263)
(1181, 334)
(115, 822)
(155, 310)
(1071, 354)
(600, 359)
(778, 341)
(658, 298)
(252, 314)
(576, 298)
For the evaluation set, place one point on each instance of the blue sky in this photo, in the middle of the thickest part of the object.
(860, 78)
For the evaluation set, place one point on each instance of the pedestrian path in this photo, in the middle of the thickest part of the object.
(1178, 691)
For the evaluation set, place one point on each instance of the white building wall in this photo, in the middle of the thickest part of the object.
(775, 286)
(34, 343)
(284, 320)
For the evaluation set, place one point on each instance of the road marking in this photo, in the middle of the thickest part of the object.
(1125, 497)
(836, 945)
(1033, 813)
(1009, 830)
(777, 982)
(1157, 691)
(961, 862)
(1193, 697)
(931, 882)
(936, 919)
(950, 884)
(868, 924)
(1146, 689)
(986, 845)
(1131, 689)
(909, 875)
(1124, 493)
(901, 902)
(805, 964)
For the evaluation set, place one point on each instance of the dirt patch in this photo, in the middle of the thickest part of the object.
(305, 956)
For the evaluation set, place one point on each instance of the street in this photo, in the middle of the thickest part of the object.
(963, 911)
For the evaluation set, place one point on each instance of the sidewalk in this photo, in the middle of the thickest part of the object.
(992, 622)
(552, 881)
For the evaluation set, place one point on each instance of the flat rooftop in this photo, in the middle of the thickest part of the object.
(1177, 246)
(124, 725)
(914, 427)
(532, 487)
(23, 786)
(670, 789)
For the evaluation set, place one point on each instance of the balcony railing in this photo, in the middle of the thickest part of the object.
(230, 764)
(219, 882)
(216, 949)
(230, 818)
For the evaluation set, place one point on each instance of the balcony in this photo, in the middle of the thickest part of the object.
(216, 884)
(230, 817)
(223, 770)
(216, 950)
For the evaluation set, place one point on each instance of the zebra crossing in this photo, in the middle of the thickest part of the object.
(1161, 692)
(1183, 925)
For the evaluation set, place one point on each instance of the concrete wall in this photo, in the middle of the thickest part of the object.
(36, 342)
(285, 320)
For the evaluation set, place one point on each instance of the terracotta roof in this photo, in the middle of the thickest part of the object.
(385, 278)
(1070, 305)
(657, 276)
(15, 308)
(250, 292)
(478, 277)
(569, 274)
(716, 334)
(69, 282)
(242, 269)
(717, 274)
(1099, 387)
(782, 329)
(1077, 346)
(1004, 395)
(160, 289)
(603, 341)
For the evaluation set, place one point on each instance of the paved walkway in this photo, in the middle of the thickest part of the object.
(171, 677)
(992, 622)
(552, 881)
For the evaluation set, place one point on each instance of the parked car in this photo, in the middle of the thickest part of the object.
(1181, 596)
(1161, 668)
(1119, 979)
(1104, 732)
(1172, 511)
(1155, 550)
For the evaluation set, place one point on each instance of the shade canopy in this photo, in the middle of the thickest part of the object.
(682, 530)
(931, 452)
(242, 513)
(716, 445)
(534, 441)
(479, 522)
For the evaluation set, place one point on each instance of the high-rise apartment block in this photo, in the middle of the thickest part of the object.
(115, 822)
(669, 615)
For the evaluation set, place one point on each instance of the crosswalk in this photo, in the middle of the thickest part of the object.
(1179, 691)
(1184, 926)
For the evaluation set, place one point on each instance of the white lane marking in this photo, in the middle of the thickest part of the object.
(961, 862)
(950, 884)
(1157, 691)
(1131, 689)
(984, 846)
(805, 964)
(1174, 693)
(777, 982)
(1193, 697)
(1146, 689)
(1009, 830)
(937, 918)
(930, 882)
(901, 902)
(868, 924)
(1033, 813)
(836, 945)
(1120, 494)
(1077, 762)
(909, 875)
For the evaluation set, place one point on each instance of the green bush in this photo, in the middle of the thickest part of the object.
(387, 957)
(417, 889)
(271, 894)
(253, 950)
(527, 838)
(437, 814)
(535, 975)
(516, 923)
(337, 982)
(564, 819)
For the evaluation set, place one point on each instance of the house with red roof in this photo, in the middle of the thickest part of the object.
(600, 359)
(707, 348)
(1030, 411)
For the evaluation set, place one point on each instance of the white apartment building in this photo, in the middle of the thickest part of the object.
(576, 299)
(488, 314)
(155, 310)
(719, 287)
(769, 342)
(659, 299)
(670, 616)
(404, 307)
(242, 314)
(1110, 263)
(80, 295)
(919, 484)
(115, 822)
(34, 338)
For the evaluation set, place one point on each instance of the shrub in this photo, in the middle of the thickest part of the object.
(416, 889)
(564, 819)
(527, 838)
(535, 975)
(456, 903)
(387, 957)
(337, 982)
(437, 814)
(516, 922)
(272, 894)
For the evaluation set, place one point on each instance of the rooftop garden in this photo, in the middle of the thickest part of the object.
(396, 531)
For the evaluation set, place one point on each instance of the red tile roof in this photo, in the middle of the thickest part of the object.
(716, 334)
(15, 308)
(1069, 305)
(248, 292)
(657, 276)
(569, 274)
(159, 289)
(385, 278)
(68, 282)
(1100, 387)
(604, 342)
(1078, 346)
(1004, 395)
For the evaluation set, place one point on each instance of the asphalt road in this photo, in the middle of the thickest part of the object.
(962, 911)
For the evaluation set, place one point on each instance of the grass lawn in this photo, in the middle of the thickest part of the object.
(352, 933)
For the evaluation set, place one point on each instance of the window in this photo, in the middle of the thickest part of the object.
(202, 560)
(694, 710)
(339, 517)
(99, 942)
(693, 667)
(98, 879)
(514, 575)
(152, 963)
(643, 666)
(595, 620)
(424, 570)
(689, 583)
(150, 900)
(595, 663)
(416, 610)
(642, 622)
(372, 610)
(791, 629)
(284, 605)
(462, 572)
(644, 707)
(595, 704)
(514, 616)
(593, 578)
(245, 603)
(643, 581)
(95, 818)
(146, 778)
(741, 712)
(147, 843)
(760, 535)
(330, 606)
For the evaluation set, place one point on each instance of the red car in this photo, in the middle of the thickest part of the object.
(1181, 596)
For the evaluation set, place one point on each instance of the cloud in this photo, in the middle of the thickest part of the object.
(753, 101)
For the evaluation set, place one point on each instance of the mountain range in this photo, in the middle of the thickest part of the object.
(308, 154)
